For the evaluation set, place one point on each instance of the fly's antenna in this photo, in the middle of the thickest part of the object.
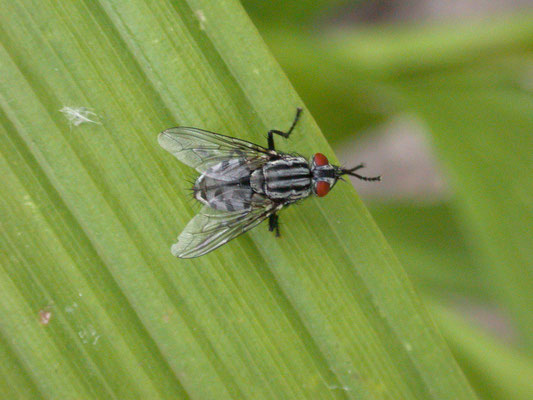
(351, 172)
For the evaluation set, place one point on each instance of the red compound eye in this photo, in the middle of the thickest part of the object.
(322, 188)
(320, 160)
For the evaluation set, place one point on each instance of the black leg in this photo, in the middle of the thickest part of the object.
(273, 224)
(281, 133)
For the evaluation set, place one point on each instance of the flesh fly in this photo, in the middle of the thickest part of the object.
(241, 184)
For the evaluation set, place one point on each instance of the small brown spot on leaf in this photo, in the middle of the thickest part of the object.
(44, 316)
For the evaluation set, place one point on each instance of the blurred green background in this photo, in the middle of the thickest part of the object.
(437, 96)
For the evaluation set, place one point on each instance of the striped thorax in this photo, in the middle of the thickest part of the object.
(287, 179)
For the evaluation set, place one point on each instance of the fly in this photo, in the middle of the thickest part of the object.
(241, 184)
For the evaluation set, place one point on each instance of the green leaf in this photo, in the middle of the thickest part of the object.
(434, 253)
(94, 306)
(479, 73)
(470, 83)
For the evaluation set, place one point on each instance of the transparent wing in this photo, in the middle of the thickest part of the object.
(234, 169)
(202, 149)
(211, 228)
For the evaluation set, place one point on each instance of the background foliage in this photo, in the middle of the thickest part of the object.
(468, 82)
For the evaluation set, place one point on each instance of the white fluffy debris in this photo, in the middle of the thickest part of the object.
(201, 19)
(80, 115)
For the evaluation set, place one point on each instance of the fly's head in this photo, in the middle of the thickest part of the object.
(326, 175)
